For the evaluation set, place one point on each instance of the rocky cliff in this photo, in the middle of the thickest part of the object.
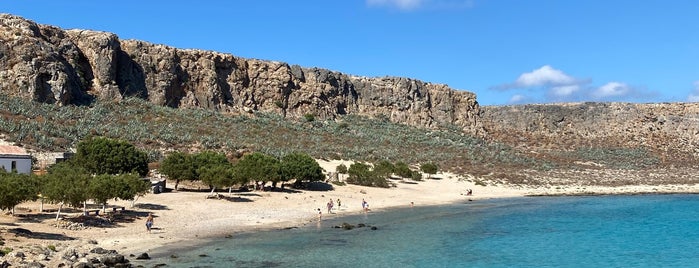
(671, 130)
(51, 65)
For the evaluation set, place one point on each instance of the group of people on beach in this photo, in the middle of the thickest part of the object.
(331, 205)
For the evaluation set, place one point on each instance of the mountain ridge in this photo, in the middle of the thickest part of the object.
(52, 65)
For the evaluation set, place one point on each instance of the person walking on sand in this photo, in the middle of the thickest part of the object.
(149, 222)
(365, 205)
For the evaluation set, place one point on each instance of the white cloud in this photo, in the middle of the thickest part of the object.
(565, 91)
(547, 84)
(400, 4)
(612, 90)
(517, 98)
(544, 76)
(694, 96)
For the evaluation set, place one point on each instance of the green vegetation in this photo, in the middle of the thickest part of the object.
(150, 128)
(300, 167)
(341, 168)
(17, 188)
(363, 174)
(100, 155)
(156, 130)
(618, 158)
(178, 166)
(429, 168)
(257, 167)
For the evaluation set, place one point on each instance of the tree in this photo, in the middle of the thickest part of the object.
(208, 159)
(17, 188)
(361, 174)
(341, 168)
(403, 170)
(219, 176)
(130, 187)
(300, 167)
(384, 168)
(101, 188)
(178, 166)
(66, 183)
(100, 155)
(256, 167)
(429, 168)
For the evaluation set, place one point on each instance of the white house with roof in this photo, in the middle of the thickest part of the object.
(15, 158)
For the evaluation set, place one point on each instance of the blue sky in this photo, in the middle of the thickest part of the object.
(505, 51)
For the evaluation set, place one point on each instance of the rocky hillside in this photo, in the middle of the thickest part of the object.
(52, 65)
(669, 130)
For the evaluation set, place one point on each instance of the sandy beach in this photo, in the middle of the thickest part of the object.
(185, 218)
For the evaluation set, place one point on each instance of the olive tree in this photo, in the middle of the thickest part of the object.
(130, 187)
(66, 183)
(102, 188)
(178, 166)
(16, 188)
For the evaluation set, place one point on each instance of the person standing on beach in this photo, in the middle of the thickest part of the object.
(338, 203)
(365, 205)
(320, 214)
(149, 221)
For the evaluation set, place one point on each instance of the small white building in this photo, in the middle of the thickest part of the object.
(15, 158)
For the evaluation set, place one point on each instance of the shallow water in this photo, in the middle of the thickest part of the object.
(593, 231)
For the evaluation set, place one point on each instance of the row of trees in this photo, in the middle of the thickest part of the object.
(102, 169)
(377, 174)
(215, 170)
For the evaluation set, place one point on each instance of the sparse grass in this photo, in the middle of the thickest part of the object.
(159, 129)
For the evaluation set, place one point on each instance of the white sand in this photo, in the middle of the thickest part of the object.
(186, 218)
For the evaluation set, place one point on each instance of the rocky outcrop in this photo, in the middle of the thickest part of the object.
(51, 65)
(670, 129)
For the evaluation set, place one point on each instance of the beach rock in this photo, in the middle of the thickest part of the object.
(143, 256)
(112, 259)
(82, 265)
(99, 250)
(18, 254)
(33, 264)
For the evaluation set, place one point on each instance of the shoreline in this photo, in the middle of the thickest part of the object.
(188, 219)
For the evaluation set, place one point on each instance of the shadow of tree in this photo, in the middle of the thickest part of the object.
(151, 206)
(36, 218)
(39, 235)
(319, 186)
(229, 198)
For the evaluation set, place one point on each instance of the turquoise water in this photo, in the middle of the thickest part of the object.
(595, 231)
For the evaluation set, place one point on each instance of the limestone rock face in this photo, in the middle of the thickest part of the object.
(52, 65)
(38, 62)
(668, 128)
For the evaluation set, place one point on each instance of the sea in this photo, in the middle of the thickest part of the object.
(580, 231)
